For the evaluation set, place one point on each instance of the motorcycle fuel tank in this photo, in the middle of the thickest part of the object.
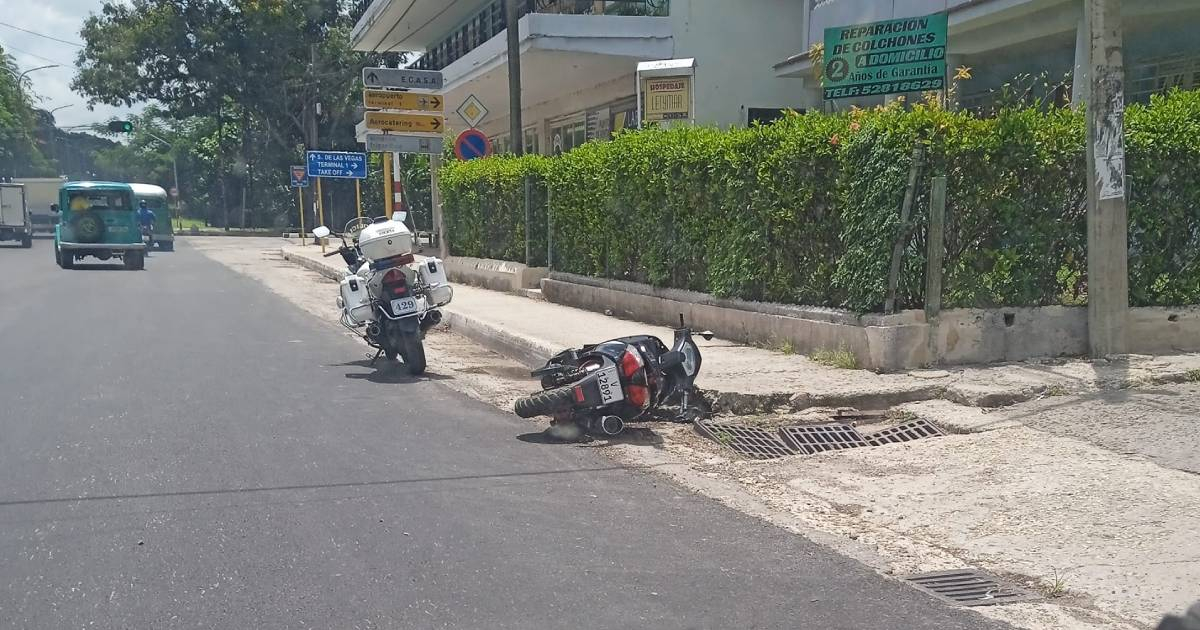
(385, 239)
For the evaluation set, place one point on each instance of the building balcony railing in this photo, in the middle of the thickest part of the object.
(489, 22)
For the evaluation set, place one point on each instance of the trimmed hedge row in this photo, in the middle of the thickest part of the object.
(806, 210)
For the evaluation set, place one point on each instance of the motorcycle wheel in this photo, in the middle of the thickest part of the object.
(414, 354)
(546, 403)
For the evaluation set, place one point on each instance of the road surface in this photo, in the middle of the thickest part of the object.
(183, 449)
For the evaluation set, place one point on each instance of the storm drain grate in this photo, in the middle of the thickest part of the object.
(749, 441)
(823, 437)
(907, 432)
(968, 587)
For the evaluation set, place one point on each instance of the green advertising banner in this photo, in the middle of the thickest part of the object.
(905, 55)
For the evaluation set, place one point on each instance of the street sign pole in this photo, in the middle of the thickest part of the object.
(300, 201)
(358, 196)
(320, 212)
(387, 184)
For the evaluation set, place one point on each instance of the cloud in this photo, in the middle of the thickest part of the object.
(52, 86)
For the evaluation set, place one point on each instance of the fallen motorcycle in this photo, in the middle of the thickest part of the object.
(598, 388)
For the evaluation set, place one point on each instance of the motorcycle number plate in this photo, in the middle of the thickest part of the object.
(404, 306)
(610, 385)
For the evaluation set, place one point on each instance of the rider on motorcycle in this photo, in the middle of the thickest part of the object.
(145, 218)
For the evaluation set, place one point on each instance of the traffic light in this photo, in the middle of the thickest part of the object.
(120, 126)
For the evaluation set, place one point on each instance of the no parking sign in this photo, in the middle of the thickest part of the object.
(472, 144)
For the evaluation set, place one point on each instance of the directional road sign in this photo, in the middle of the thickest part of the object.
(402, 78)
(337, 164)
(472, 111)
(431, 145)
(388, 99)
(299, 175)
(472, 144)
(384, 121)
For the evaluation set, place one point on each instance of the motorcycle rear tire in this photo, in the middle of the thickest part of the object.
(414, 354)
(546, 403)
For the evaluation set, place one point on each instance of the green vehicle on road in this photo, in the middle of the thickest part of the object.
(98, 219)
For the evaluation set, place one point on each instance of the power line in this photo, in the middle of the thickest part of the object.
(26, 52)
(25, 30)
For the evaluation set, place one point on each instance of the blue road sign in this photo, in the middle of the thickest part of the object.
(299, 176)
(337, 164)
(472, 144)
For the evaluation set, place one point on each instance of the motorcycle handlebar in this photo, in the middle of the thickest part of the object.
(333, 253)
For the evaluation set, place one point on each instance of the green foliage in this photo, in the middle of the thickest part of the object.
(19, 153)
(807, 209)
(488, 195)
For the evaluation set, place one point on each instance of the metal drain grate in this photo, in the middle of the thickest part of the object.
(907, 432)
(822, 437)
(968, 587)
(749, 441)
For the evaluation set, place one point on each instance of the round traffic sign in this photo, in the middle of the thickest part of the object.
(472, 144)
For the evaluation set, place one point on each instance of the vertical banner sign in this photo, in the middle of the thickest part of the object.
(668, 98)
(905, 55)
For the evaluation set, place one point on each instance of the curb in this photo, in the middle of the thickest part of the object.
(533, 353)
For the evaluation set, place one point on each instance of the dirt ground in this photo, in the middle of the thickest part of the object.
(1089, 500)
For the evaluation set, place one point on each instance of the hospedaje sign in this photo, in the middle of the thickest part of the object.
(889, 57)
(666, 91)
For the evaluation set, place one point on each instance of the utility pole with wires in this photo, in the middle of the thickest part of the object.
(517, 130)
(1108, 211)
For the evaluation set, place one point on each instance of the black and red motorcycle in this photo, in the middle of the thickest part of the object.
(600, 387)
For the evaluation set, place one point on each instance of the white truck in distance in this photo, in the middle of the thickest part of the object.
(15, 224)
(40, 192)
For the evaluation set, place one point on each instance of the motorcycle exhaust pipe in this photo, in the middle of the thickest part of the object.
(608, 425)
(433, 318)
(373, 330)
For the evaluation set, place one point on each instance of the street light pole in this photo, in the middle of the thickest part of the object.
(54, 134)
(21, 75)
(174, 173)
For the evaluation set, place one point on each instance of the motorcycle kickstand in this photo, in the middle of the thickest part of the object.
(375, 358)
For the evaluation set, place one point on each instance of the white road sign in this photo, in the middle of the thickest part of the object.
(402, 78)
(404, 143)
(472, 111)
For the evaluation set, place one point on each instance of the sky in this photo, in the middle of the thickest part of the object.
(52, 86)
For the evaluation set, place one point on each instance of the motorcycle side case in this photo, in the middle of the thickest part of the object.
(356, 300)
(433, 275)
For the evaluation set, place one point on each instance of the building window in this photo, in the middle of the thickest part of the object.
(1154, 76)
(567, 134)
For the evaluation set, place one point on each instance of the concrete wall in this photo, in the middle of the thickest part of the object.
(736, 45)
(880, 342)
(497, 275)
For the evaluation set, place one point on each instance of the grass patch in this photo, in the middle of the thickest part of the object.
(1057, 390)
(1058, 586)
(841, 358)
(1192, 376)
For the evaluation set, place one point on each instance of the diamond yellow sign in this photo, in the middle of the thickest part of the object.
(472, 111)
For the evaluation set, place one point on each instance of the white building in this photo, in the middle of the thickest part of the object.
(1002, 39)
(579, 58)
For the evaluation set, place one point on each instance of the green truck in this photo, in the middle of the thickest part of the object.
(98, 219)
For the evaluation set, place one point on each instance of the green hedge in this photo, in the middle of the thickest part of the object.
(484, 202)
(806, 210)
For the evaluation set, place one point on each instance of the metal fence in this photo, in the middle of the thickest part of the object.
(489, 22)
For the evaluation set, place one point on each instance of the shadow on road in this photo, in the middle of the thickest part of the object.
(387, 372)
(637, 436)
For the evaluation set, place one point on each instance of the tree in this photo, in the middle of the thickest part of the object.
(19, 153)
(255, 68)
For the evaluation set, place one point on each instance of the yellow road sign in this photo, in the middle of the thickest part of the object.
(386, 99)
(404, 122)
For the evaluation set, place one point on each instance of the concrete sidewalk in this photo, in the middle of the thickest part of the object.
(746, 379)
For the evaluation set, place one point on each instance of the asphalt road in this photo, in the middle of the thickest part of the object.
(182, 449)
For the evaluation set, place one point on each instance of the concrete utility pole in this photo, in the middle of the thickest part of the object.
(1108, 214)
(517, 130)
